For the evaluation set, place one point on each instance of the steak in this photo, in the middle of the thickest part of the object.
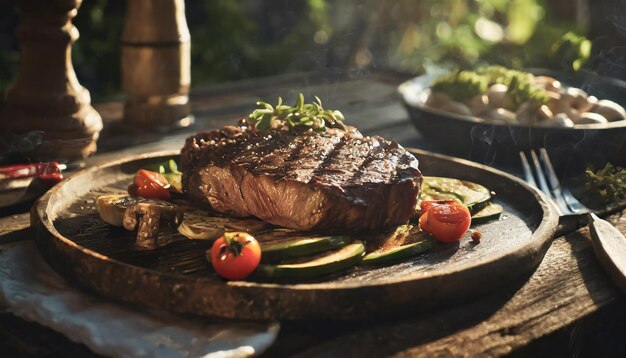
(338, 180)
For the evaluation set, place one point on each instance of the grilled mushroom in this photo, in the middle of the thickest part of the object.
(147, 217)
(111, 207)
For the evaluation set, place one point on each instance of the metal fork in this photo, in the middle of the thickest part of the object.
(609, 244)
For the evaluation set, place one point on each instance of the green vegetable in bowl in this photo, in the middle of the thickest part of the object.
(460, 85)
(521, 86)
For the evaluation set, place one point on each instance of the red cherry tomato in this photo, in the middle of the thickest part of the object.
(446, 220)
(235, 255)
(150, 185)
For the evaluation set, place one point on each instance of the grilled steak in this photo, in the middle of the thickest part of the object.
(339, 180)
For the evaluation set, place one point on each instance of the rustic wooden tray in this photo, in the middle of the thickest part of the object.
(94, 255)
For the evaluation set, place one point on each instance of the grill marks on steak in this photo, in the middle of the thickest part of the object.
(305, 182)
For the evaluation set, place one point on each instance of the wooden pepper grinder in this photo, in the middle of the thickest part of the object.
(46, 95)
(156, 64)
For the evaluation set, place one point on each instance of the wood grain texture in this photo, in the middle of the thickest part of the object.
(568, 285)
(84, 249)
(610, 247)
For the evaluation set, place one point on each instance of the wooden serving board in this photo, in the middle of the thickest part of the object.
(96, 256)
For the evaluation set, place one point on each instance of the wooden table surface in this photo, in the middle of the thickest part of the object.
(567, 306)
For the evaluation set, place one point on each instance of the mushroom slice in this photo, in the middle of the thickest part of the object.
(111, 207)
(147, 218)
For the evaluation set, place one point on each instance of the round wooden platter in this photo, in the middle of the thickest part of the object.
(97, 256)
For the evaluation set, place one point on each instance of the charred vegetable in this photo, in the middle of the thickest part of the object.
(112, 207)
(472, 195)
(402, 243)
(147, 217)
(490, 212)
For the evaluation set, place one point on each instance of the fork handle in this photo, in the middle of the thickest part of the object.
(610, 247)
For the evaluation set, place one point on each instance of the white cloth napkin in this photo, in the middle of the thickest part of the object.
(32, 290)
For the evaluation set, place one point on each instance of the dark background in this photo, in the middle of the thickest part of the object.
(237, 39)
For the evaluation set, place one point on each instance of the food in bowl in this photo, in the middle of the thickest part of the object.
(501, 95)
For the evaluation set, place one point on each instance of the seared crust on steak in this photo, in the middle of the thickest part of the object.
(332, 181)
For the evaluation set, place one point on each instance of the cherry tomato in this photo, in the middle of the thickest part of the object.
(235, 255)
(446, 220)
(149, 185)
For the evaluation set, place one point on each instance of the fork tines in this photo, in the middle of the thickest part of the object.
(541, 171)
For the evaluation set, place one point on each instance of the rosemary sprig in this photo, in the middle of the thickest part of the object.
(301, 116)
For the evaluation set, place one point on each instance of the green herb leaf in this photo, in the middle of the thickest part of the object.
(608, 183)
(302, 115)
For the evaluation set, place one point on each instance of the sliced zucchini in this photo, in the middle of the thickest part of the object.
(344, 258)
(398, 253)
(200, 225)
(111, 207)
(283, 244)
(492, 211)
(472, 195)
(403, 242)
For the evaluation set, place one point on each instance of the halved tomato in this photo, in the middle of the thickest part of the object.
(446, 220)
(149, 185)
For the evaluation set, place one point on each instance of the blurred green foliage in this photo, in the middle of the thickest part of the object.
(466, 34)
(235, 39)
